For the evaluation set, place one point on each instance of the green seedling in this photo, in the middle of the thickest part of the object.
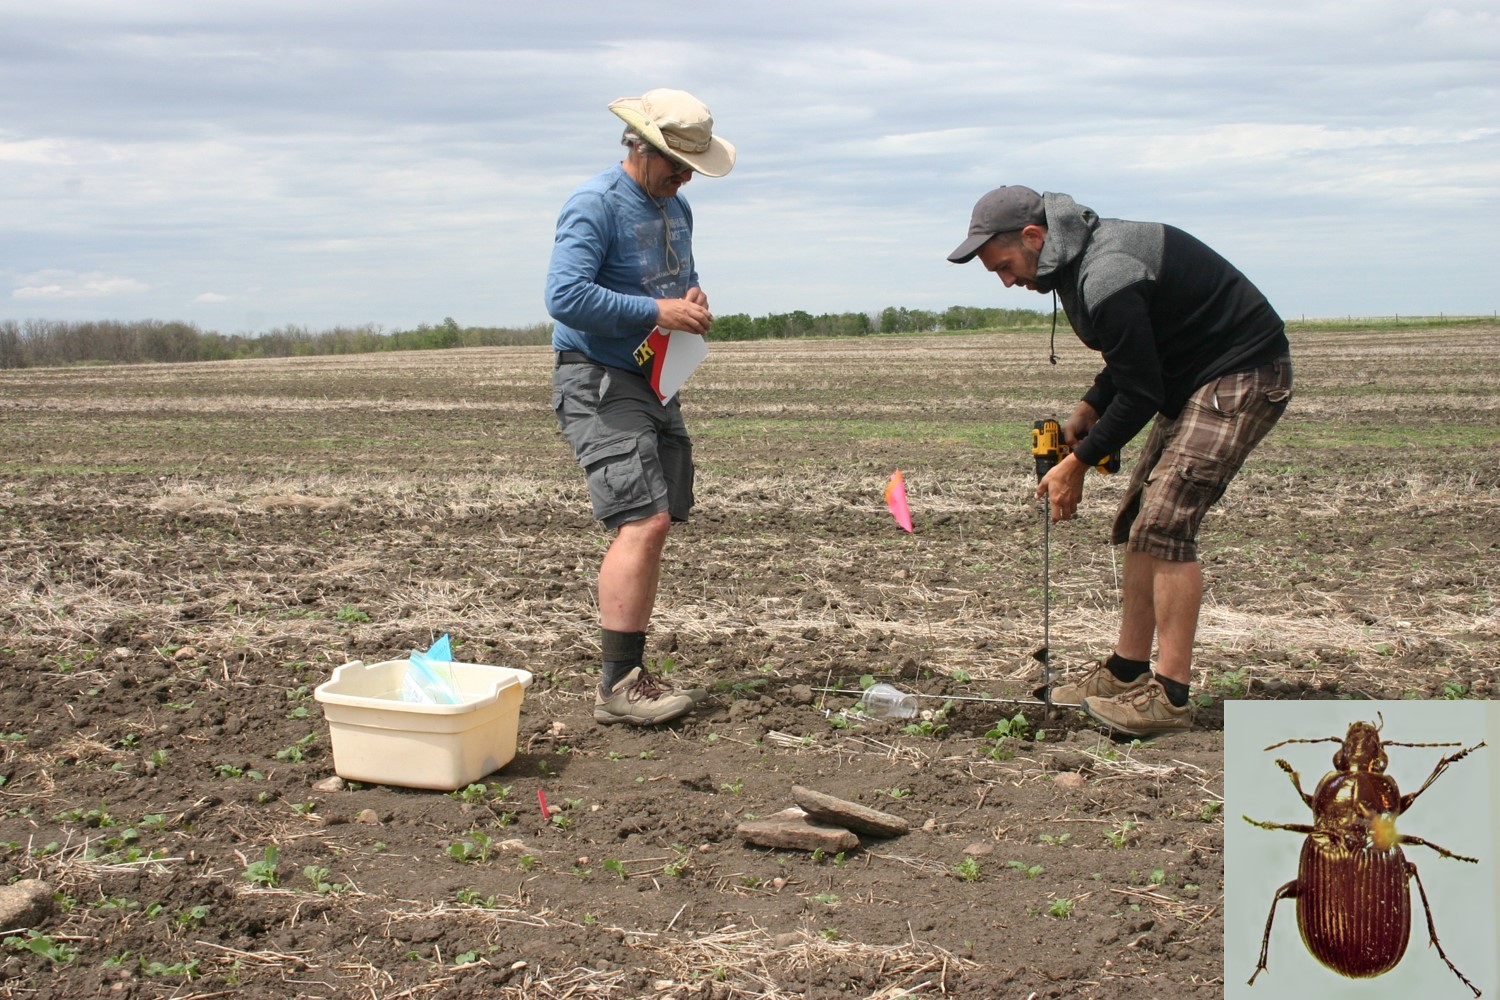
(263, 872)
(1057, 841)
(615, 868)
(319, 879)
(472, 849)
(1060, 908)
(294, 754)
(187, 970)
(44, 945)
(186, 919)
(469, 793)
(468, 897)
(1118, 837)
(968, 869)
(1032, 871)
(734, 787)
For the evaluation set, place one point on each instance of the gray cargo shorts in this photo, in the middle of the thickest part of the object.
(1188, 462)
(635, 451)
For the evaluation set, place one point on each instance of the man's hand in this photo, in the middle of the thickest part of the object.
(1063, 487)
(1078, 425)
(688, 313)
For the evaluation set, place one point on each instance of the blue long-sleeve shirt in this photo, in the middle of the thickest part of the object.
(611, 262)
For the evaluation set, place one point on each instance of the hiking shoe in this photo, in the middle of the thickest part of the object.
(642, 699)
(1100, 682)
(1141, 711)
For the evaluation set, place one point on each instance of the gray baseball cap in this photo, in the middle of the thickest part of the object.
(1003, 210)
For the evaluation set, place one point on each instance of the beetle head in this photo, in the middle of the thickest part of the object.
(1361, 750)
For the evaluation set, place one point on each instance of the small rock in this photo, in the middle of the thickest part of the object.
(333, 784)
(369, 817)
(26, 903)
(1070, 780)
(511, 846)
(979, 850)
(185, 653)
(851, 815)
(794, 829)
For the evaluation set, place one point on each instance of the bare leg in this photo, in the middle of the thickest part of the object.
(630, 573)
(1161, 600)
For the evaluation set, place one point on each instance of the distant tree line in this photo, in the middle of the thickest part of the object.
(46, 343)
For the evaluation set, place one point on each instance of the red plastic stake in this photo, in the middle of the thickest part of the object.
(541, 798)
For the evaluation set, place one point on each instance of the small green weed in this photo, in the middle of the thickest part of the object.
(968, 869)
(263, 872)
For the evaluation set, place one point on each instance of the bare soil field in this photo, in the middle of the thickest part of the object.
(187, 551)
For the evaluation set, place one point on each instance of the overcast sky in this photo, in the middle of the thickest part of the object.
(245, 165)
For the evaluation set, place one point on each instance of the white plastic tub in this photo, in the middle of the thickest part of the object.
(380, 739)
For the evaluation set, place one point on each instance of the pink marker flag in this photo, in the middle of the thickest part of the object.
(895, 499)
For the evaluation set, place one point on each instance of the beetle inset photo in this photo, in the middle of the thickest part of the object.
(1360, 849)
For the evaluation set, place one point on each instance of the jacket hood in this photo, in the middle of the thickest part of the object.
(1070, 226)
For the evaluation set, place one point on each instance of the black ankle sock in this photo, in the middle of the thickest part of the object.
(1126, 670)
(623, 652)
(1177, 692)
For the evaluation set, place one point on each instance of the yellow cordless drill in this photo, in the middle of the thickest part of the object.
(1049, 447)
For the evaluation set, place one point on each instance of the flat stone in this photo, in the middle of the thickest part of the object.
(860, 819)
(794, 829)
(26, 903)
(1070, 780)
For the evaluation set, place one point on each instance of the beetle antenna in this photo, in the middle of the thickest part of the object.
(1325, 739)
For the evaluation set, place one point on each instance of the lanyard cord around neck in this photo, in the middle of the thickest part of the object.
(1052, 343)
(673, 261)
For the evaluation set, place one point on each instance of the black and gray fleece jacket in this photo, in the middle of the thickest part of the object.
(1167, 312)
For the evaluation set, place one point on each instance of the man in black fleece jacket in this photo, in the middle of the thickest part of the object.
(1186, 339)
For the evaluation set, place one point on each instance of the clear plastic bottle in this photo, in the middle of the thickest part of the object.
(881, 701)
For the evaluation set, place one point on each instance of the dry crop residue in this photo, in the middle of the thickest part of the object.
(175, 578)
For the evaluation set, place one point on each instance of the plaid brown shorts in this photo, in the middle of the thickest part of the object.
(1187, 462)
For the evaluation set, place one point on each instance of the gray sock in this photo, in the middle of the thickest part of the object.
(623, 652)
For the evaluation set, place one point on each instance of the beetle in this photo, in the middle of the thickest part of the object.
(1353, 881)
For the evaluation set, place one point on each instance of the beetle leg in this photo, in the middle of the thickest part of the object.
(1296, 781)
(1431, 930)
(1288, 891)
(1409, 839)
(1442, 765)
(1294, 827)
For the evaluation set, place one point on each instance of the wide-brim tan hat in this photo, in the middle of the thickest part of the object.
(679, 125)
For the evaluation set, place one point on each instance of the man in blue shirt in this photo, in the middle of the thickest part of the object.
(622, 264)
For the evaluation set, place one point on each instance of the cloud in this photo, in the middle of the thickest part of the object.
(54, 285)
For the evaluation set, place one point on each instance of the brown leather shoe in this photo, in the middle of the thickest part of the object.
(1141, 711)
(1099, 682)
(642, 699)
